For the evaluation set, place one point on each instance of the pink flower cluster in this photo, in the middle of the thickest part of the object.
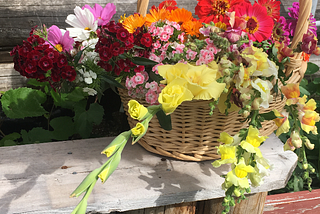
(138, 87)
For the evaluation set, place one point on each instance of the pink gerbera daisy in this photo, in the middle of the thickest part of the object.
(259, 25)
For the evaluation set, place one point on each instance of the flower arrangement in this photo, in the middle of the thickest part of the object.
(234, 55)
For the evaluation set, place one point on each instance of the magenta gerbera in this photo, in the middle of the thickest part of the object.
(259, 25)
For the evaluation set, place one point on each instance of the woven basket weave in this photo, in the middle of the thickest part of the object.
(194, 132)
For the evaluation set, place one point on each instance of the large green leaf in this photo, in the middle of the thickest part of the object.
(36, 135)
(312, 68)
(23, 102)
(269, 116)
(82, 125)
(9, 140)
(164, 120)
(143, 61)
(63, 127)
(95, 113)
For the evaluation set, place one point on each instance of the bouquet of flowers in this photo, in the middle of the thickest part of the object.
(235, 56)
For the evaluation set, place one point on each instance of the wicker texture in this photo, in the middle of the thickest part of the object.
(194, 132)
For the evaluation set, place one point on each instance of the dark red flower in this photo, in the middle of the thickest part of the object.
(122, 34)
(55, 75)
(69, 73)
(41, 47)
(129, 42)
(14, 50)
(25, 49)
(106, 66)
(52, 54)
(45, 63)
(34, 55)
(62, 61)
(235, 97)
(105, 54)
(146, 39)
(36, 40)
(139, 69)
(30, 66)
(117, 49)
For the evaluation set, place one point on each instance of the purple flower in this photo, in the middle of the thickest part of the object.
(294, 14)
(103, 15)
(280, 32)
(60, 39)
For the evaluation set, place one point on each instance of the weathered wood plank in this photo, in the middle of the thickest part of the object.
(32, 179)
(10, 78)
(296, 202)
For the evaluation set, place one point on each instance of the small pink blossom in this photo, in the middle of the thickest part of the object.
(160, 30)
(209, 41)
(138, 78)
(151, 97)
(206, 56)
(181, 37)
(168, 29)
(205, 30)
(130, 83)
(145, 74)
(154, 58)
(153, 86)
(164, 37)
(156, 45)
(179, 48)
(191, 55)
(212, 49)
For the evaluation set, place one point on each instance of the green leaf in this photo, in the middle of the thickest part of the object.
(36, 135)
(78, 56)
(85, 184)
(95, 113)
(311, 68)
(269, 115)
(143, 61)
(110, 80)
(164, 120)
(23, 102)
(10, 137)
(9, 143)
(76, 95)
(35, 82)
(303, 91)
(316, 81)
(274, 51)
(63, 127)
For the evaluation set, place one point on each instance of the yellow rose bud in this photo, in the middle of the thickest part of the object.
(136, 110)
(139, 129)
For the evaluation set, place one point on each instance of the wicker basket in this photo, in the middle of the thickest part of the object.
(194, 132)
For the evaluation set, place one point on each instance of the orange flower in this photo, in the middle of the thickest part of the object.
(192, 27)
(155, 15)
(292, 92)
(283, 51)
(133, 22)
(308, 120)
(180, 16)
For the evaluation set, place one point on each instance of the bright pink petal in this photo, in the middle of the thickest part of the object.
(54, 35)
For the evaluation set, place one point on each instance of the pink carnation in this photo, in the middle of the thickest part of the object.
(151, 97)
(153, 86)
(138, 78)
(164, 37)
(191, 55)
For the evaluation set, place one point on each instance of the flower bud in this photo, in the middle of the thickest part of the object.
(305, 166)
(248, 107)
(226, 72)
(296, 140)
(245, 113)
(237, 192)
(245, 97)
(308, 144)
(256, 103)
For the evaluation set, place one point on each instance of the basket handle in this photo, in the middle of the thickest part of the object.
(142, 6)
(301, 29)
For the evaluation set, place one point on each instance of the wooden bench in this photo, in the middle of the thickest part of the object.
(38, 179)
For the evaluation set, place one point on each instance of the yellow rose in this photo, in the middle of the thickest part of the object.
(202, 82)
(138, 130)
(173, 95)
(136, 110)
(171, 72)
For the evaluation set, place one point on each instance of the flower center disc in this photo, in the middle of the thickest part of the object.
(219, 7)
(252, 25)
